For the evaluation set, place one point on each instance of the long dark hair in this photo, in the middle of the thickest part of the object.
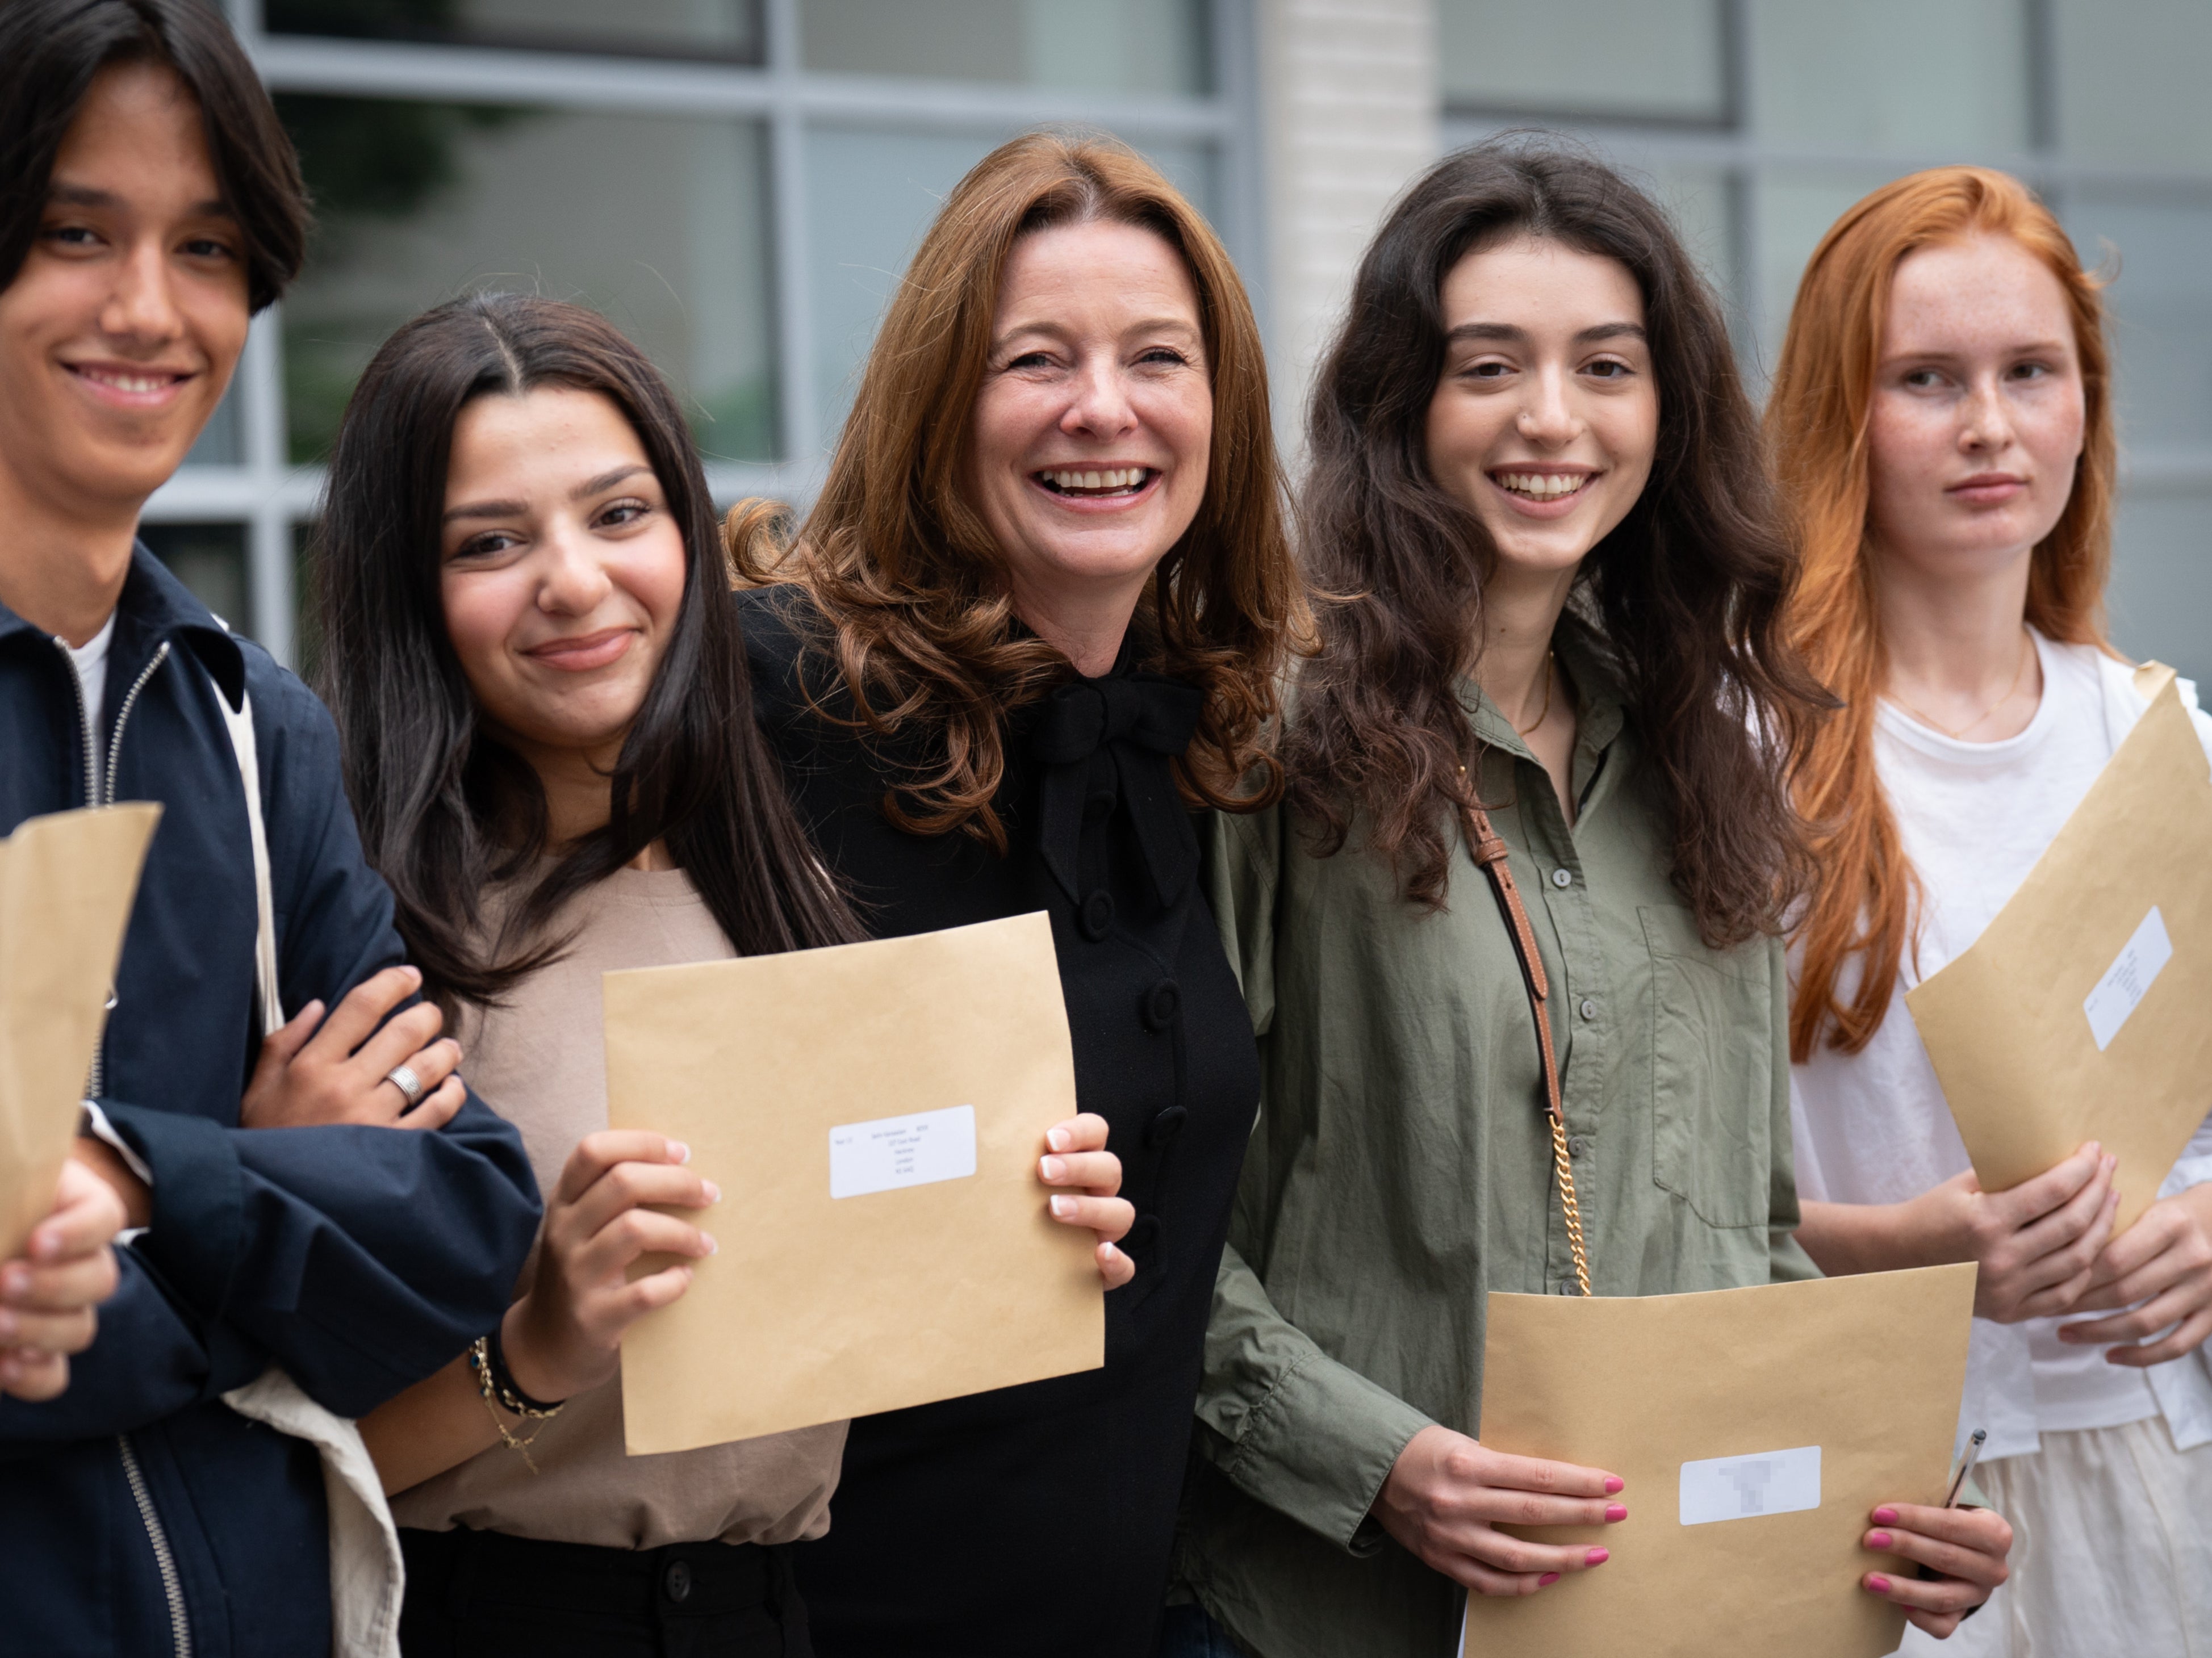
(51, 50)
(446, 809)
(1684, 596)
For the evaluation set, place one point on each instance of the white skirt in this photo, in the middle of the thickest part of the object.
(2111, 1551)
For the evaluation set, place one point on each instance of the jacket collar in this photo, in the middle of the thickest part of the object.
(156, 607)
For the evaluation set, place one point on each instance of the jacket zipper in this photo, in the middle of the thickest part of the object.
(100, 791)
(165, 1561)
(84, 724)
(123, 718)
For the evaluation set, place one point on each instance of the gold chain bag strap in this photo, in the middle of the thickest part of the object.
(1490, 850)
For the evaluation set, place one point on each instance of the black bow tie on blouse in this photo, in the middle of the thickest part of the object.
(1134, 717)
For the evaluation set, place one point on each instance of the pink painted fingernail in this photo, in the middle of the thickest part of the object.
(1547, 1579)
(1615, 1512)
(1880, 1539)
(1053, 1168)
(1613, 1484)
(713, 1192)
(678, 1150)
(1597, 1557)
(1057, 1139)
(1885, 1515)
(1877, 1582)
(1063, 1205)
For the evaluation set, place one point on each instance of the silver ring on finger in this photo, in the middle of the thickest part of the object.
(402, 1078)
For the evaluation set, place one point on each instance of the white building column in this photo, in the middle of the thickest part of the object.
(1350, 105)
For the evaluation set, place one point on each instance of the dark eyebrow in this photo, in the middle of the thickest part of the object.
(84, 196)
(1507, 331)
(607, 480)
(486, 509)
(1487, 330)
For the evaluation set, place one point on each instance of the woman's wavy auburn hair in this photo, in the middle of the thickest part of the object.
(1865, 900)
(1685, 595)
(899, 562)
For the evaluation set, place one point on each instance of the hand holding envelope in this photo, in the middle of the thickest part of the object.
(2078, 1013)
(874, 1114)
(1756, 1430)
(67, 884)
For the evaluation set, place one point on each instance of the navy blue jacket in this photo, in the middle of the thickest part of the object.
(359, 1259)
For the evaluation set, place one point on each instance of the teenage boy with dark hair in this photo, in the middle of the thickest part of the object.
(149, 203)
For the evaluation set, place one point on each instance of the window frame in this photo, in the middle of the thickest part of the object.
(268, 494)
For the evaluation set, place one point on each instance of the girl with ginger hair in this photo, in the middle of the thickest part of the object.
(1035, 619)
(1941, 419)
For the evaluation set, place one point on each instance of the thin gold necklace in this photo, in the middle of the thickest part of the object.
(2028, 651)
(1545, 712)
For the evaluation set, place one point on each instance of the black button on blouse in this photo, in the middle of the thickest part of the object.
(1042, 1513)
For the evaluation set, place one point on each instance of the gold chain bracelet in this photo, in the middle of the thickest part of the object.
(496, 1397)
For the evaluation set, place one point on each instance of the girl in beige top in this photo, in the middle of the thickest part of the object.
(543, 702)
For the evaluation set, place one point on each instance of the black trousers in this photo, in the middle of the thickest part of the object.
(484, 1594)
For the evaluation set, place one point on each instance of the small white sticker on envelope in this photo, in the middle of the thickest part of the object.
(2126, 982)
(1744, 1487)
(891, 1152)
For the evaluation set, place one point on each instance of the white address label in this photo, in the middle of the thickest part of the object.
(891, 1152)
(2129, 979)
(1743, 1487)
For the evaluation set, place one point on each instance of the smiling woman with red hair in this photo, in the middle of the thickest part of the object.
(1942, 421)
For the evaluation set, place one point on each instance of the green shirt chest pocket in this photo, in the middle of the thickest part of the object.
(1712, 1070)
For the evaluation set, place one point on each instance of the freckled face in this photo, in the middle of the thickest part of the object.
(562, 571)
(1092, 431)
(1979, 415)
(1546, 418)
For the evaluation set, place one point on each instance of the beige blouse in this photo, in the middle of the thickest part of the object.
(541, 1062)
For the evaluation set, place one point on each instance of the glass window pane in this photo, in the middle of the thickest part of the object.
(210, 560)
(728, 30)
(2131, 77)
(2162, 591)
(1792, 211)
(659, 224)
(1104, 45)
(221, 442)
(1652, 59)
(870, 195)
(2161, 324)
(1891, 75)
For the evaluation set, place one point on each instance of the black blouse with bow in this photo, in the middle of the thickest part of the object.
(1039, 1518)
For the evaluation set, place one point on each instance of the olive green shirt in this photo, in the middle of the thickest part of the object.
(1401, 1165)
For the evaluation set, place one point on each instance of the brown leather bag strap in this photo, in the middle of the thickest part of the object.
(1489, 849)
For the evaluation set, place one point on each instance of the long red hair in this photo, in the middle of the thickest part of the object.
(1866, 901)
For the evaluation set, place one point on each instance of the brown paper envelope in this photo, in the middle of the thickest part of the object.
(1869, 1369)
(2007, 1023)
(67, 883)
(817, 1307)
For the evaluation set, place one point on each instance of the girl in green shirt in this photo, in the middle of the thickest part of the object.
(1537, 472)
